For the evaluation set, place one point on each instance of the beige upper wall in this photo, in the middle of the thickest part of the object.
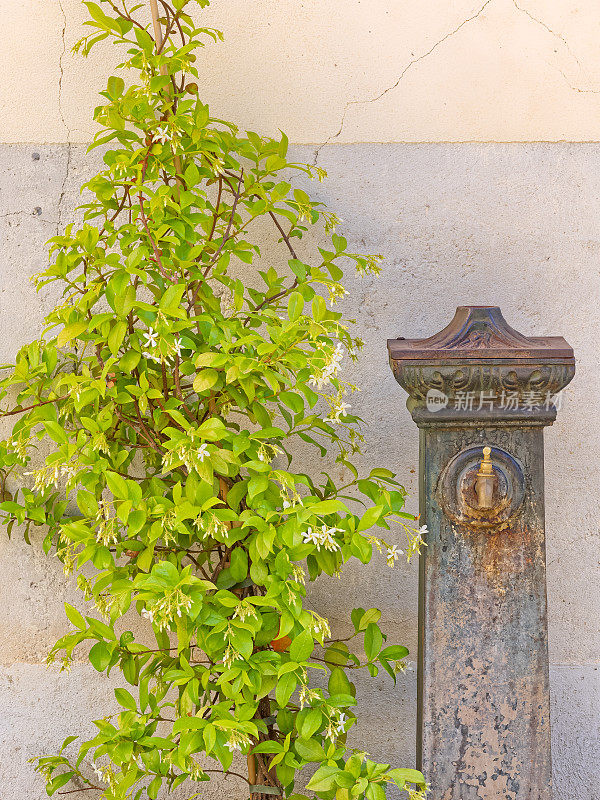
(338, 70)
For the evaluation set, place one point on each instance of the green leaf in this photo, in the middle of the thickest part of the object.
(324, 778)
(70, 332)
(145, 558)
(75, 617)
(188, 724)
(295, 306)
(309, 750)
(395, 652)
(345, 780)
(302, 647)
(286, 686)
(212, 429)
(268, 746)
(238, 567)
(293, 401)
(373, 641)
(99, 16)
(371, 615)
(337, 654)
(403, 776)
(375, 791)
(205, 380)
(129, 360)
(116, 87)
(57, 782)
(379, 472)
(171, 299)
(100, 656)
(56, 432)
(339, 683)
(319, 309)
(116, 336)
(309, 723)
(361, 548)
(370, 518)
(117, 485)
(125, 699)
(87, 503)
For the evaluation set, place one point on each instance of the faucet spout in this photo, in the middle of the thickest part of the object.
(485, 480)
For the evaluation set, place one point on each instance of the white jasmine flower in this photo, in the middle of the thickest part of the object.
(237, 741)
(338, 408)
(327, 538)
(163, 135)
(210, 525)
(202, 451)
(230, 656)
(307, 695)
(151, 337)
(319, 627)
(331, 367)
(244, 610)
(392, 554)
(336, 291)
(171, 605)
(310, 537)
(298, 574)
(322, 538)
(267, 452)
(341, 722)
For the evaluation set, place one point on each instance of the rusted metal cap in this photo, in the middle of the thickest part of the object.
(480, 333)
(479, 369)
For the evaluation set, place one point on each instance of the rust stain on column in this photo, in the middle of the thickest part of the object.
(483, 699)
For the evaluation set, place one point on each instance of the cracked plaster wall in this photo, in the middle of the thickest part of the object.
(337, 71)
(511, 224)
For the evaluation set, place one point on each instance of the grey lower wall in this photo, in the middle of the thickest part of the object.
(516, 225)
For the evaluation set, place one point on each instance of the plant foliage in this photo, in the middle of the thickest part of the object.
(153, 444)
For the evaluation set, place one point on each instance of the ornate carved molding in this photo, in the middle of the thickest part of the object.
(495, 381)
(479, 366)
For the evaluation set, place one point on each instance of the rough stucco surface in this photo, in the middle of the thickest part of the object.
(336, 70)
(513, 225)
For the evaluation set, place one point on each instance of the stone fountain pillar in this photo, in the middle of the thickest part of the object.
(481, 394)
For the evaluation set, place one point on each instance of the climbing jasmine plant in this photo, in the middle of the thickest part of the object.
(156, 421)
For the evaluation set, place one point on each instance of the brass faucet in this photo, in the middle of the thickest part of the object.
(484, 482)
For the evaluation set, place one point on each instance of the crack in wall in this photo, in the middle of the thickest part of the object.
(63, 190)
(402, 74)
(451, 33)
(579, 89)
(548, 29)
(541, 22)
(34, 213)
(61, 71)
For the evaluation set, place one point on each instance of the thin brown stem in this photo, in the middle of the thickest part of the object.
(157, 255)
(284, 235)
(28, 408)
(160, 42)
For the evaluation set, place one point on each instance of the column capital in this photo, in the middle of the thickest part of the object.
(480, 371)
